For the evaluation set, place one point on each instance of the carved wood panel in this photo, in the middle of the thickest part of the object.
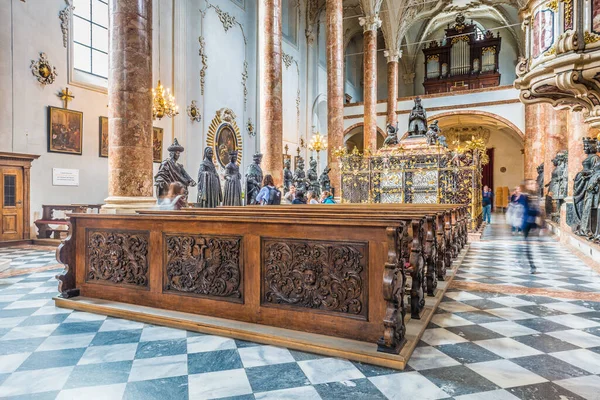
(317, 275)
(117, 257)
(206, 266)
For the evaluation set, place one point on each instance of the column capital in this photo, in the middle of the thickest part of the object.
(370, 22)
(409, 78)
(392, 55)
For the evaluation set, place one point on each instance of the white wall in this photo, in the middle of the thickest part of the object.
(507, 154)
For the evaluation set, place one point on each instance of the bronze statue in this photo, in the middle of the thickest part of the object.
(171, 171)
(300, 180)
(540, 180)
(392, 135)
(558, 183)
(585, 190)
(313, 177)
(209, 184)
(233, 183)
(288, 176)
(433, 133)
(324, 180)
(417, 120)
(254, 177)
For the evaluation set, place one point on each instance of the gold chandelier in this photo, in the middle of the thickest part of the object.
(163, 103)
(317, 143)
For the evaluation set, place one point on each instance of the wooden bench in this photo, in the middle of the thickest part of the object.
(49, 217)
(313, 269)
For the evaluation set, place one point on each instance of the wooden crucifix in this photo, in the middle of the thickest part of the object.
(66, 97)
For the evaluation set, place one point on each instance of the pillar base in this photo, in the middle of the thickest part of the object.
(127, 205)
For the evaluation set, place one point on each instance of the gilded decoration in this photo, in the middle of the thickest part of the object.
(463, 38)
(193, 111)
(568, 14)
(204, 60)
(590, 38)
(489, 49)
(224, 136)
(117, 257)
(287, 59)
(65, 16)
(433, 57)
(316, 275)
(44, 72)
(244, 81)
(204, 265)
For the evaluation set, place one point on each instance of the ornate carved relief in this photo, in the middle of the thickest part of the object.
(204, 59)
(224, 136)
(326, 276)
(244, 81)
(65, 16)
(204, 265)
(44, 72)
(117, 257)
(288, 60)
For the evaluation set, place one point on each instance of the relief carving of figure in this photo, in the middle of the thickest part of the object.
(586, 186)
(324, 180)
(300, 180)
(313, 177)
(209, 184)
(417, 120)
(254, 177)
(392, 135)
(233, 183)
(288, 176)
(171, 171)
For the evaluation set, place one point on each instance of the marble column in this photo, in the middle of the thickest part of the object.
(535, 121)
(556, 137)
(370, 24)
(335, 88)
(578, 129)
(392, 83)
(271, 111)
(130, 180)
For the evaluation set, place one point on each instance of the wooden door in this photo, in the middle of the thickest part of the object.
(11, 203)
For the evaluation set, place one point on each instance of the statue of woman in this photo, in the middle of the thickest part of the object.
(233, 183)
(417, 120)
(288, 177)
(313, 177)
(584, 198)
(209, 184)
(553, 184)
(300, 176)
(254, 177)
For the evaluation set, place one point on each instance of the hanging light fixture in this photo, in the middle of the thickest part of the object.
(163, 101)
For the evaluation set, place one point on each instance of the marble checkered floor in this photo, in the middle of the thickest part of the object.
(479, 345)
(25, 257)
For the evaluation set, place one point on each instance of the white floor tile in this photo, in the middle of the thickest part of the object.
(256, 356)
(409, 385)
(11, 362)
(158, 367)
(429, 357)
(11, 322)
(454, 307)
(440, 336)
(448, 320)
(326, 370)
(36, 381)
(491, 395)
(26, 304)
(505, 373)
(513, 302)
(161, 333)
(104, 354)
(79, 316)
(298, 393)
(509, 328)
(587, 387)
(104, 392)
(511, 314)
(200, 344)
(461, 296)
(213, 385)
(507, 348)
(119, 325)
(67, 342)
(27, 332)
(573, 321)
(582, 358)
(577, 338)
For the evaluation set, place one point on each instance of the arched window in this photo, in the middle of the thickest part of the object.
(89, 47)
(289, 26)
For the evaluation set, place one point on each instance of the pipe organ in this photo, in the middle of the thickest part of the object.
(465, 59)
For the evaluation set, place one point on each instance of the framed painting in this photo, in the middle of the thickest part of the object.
(225, 142)
(65, 131)
(157, 144)
(103, 136)
(285, 158)
(542, 32)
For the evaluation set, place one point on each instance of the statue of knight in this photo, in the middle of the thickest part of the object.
(392, 135)
(313, 177)
(324, 180)
(171, 171)
(254, 177)
(288, 176)
(540, 180)
(586, 192)
(300, 180)
(433, 133)
(417, 120)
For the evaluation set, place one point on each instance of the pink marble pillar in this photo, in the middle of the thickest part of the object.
(534, 138)
(555, 122)
(578, 129)
(271, 112)
(370, 25)
(392, 82)
(130, 180)
(335, 88)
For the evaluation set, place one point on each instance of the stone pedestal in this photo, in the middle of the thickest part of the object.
(370, 25)
(392, 83)
(271, 111)
(130, 184)
(335, 88)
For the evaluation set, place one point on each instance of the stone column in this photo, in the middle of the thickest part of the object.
(578, 129)
(535, 126)
(370, 24)
(335, 88)
(556, 137)
(271, 111)
(392, 81)
(130, 180)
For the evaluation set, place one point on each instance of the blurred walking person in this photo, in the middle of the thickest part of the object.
(530, 218)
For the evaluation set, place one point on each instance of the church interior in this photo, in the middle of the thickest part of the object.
(300, 199)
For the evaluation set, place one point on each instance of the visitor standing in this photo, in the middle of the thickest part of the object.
(312, 197)
(327, 198)
(486, 201)
(300, 199)
(290, 195)
(269, 194)
(516, 208)
(530, 216)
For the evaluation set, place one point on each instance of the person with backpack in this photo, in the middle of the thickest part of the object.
(269, 194)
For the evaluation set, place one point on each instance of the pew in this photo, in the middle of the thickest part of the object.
(50, 216)
(314, 269)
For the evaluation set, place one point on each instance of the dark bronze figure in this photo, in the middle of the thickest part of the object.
(417, 120)
(233, 182)
(557, 186)
(313, 177)
(254, 177)
(433, 133)
(392, 135)
(171, 171)
(540, 180)
(586, 197)
(324, 180)
(209, 184)
(300, 180)
(288, 176)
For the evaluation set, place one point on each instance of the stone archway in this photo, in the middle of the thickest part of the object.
(354, 136)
